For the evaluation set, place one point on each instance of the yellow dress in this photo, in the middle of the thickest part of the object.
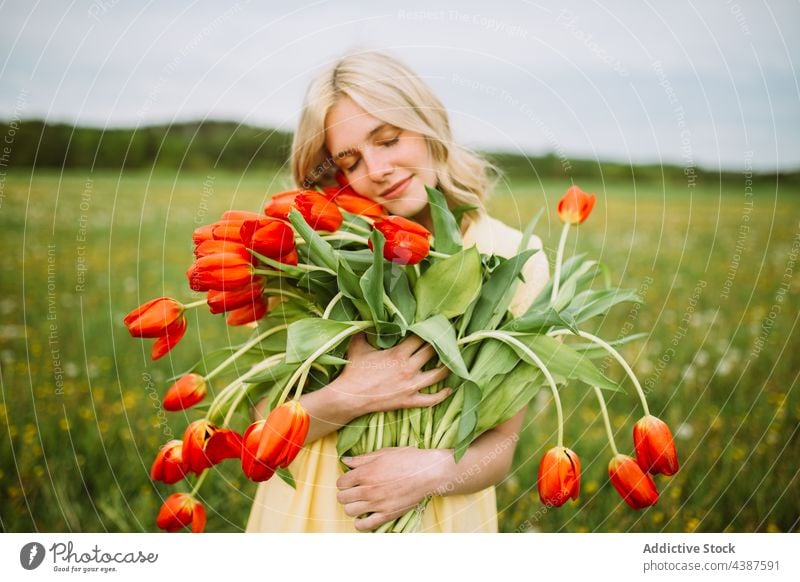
(312, 505)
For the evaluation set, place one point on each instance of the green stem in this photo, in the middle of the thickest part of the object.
(361, 325)
(194, 304)
(346, 236)
(512, 341)
(559, 259)
(334, 301)
(610, 349)
(439, 255)
(606, 421)
(225, 393)
(453, 409)
(199, 483)
(393, 309)
(245, 348)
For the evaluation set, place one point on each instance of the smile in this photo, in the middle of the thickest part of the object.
(396, 190)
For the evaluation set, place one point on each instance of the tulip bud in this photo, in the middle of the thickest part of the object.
(153, 318)
(407, 242)
(179, 511)
(319, 212)
(283, 435)
(168, 464)
(559, 476)
(655, 447)
(185, 393)
(634, 485)
(575, 206)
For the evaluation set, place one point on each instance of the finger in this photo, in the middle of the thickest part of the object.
(359, 460)
(348, 480)
(431, 377)
(422, 355)
(425, 400)
(371, 522)
(357, 508)
(409, 345)
(358, 344)
(351, 495)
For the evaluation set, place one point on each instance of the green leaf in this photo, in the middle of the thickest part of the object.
(537, 321)
(319, 251)
(593, 351)
(286, 475)
(567, 269)
(371, 282)
(591, 303)
(438, 332)
(494, 358)
(528, 232)
(399, 291)
(571, 285)
(468, 419)
(350, 434)
(308, 335)
(447, 233)
(460, 211)
(561, 359)
(449, 285)
(497, 293)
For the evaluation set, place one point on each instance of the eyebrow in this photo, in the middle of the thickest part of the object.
(351, 151)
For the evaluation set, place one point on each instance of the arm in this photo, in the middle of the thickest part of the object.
(372, 381)
(389, 482)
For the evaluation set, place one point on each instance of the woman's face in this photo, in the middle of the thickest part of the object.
(380, 161)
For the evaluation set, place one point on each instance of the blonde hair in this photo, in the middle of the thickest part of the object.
(388, 90)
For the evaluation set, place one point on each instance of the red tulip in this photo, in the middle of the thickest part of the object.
(214, 247)
(203, 233)
(283, 435)
(248, 313)
(319, 212)
(224, 301)
(227, 230)
(240, 215)
(154, 317)
(281, 204)
(221, 272)
(559, 476)
(205, 445)
(251, 466)
(268, 236)
(172, 335)
(635, 486)
(406, 241)
(179, 511)
(289, 259)
(655, 448)
(185, 393)
(575, 206)
(350, 200)
(168, 465)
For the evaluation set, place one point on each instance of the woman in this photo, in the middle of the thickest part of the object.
(372, 119)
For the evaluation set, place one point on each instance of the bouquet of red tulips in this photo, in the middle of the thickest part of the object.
(318, 267)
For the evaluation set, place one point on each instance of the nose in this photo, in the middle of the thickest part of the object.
(377, 163)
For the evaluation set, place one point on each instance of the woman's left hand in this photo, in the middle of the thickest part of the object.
(388, 482)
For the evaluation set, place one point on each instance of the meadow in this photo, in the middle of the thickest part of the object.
(716, 264)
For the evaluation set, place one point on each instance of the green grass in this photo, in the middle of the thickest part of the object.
(77, 449)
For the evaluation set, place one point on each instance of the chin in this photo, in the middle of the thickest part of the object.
(407, 207)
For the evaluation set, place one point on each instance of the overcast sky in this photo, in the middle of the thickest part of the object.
(705, 83)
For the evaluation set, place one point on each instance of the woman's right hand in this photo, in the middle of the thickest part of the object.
(382, 380)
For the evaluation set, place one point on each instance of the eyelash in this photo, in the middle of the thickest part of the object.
(387, 143)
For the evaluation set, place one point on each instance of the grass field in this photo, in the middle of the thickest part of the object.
(717, 265)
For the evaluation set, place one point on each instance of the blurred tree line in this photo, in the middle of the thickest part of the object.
(228, 145)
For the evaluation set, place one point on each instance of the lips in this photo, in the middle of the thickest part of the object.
(396, 190)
